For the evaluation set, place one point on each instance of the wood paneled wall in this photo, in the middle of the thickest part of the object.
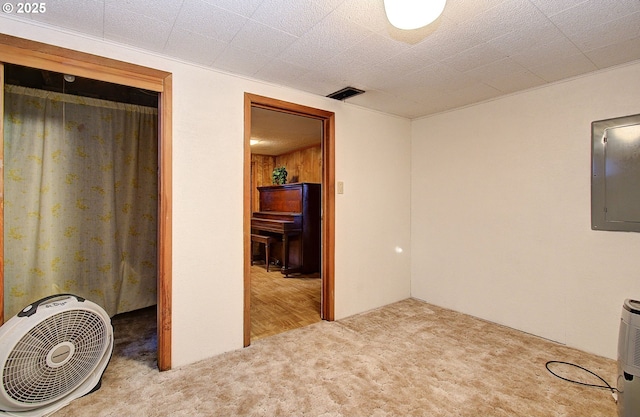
(303, 165)
(261, 168)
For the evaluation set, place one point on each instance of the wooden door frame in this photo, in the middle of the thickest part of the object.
(33, 54)
(328, 200)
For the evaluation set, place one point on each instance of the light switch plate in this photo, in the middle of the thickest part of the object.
(340, 187)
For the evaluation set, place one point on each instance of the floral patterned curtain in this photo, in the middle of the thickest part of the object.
(80, 195)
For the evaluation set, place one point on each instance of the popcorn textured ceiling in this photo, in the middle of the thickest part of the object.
(477, 50)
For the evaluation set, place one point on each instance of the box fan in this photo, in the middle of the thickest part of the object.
(52, 352)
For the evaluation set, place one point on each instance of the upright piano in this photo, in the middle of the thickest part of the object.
(291, 212)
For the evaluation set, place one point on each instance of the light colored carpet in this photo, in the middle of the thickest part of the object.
(406, 359)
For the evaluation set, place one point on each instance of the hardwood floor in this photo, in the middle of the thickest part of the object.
(279, 304)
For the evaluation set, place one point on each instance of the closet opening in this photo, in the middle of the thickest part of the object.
(17, 51)
(81, 198)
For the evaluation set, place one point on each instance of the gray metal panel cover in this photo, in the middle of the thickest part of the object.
(615, 181)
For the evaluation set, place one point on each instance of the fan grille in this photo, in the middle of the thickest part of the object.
(28, 376)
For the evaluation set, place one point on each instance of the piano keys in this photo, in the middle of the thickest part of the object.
(291, 212)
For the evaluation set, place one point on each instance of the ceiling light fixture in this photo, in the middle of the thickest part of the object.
(413, 14)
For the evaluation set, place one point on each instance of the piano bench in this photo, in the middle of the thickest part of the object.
(267, 241)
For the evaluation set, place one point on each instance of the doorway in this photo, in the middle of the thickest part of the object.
(46, 57)
(327, 198)
(280, 303)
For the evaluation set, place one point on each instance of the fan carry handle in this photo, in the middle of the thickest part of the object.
(31, 309)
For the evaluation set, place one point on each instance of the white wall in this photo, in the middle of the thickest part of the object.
(372, 216)
(501, 212)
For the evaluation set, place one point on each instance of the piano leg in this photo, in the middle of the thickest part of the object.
(285, 254)
(286, 269)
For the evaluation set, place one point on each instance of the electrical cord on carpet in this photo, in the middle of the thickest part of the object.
(606, 385)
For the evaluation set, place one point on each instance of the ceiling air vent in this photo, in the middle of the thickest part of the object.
(345, 93)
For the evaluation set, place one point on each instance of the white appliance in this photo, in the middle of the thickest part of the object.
(52, 352)
(629, 360)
